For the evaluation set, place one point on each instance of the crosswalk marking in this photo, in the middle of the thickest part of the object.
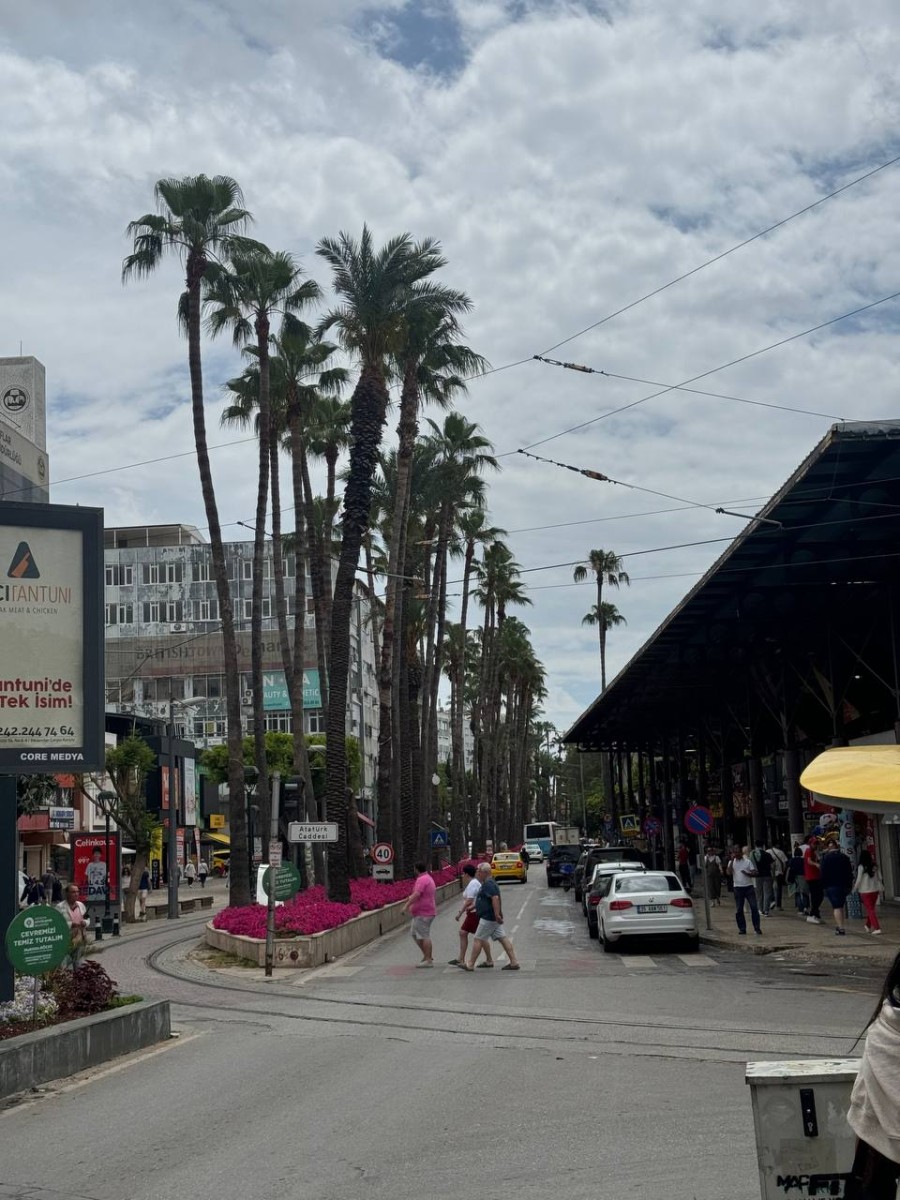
(697, 960)
(637, 960)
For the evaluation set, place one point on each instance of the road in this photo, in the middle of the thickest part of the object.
(585, 1075)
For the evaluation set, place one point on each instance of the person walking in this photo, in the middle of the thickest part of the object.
(490, 922)
(795, 880)
(202, 871)
(143, 893)
(779, 868)
(743, 874)
(712, 867)
(874, 1114)
(869, 885)
(421, 906)
(837, 882)
(75, 912)
(190, 872)
(684, 867)
(812, 873)
(35, 893)
(470, 918)
(765, 894)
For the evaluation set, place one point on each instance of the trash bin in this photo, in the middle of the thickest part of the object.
(804, 1145)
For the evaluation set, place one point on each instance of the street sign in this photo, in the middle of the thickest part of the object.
(287, 881)
(698, 819)
(37, 940)
(274, 854)
(629, 824)
(312, 831)
(62, 818)
(382, 853)
(383, 871)
(652, 826)
(439, 839)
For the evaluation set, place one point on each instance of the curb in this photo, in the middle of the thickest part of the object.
(720, 942)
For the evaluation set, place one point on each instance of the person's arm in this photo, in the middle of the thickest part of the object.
(410, 898)
(498, 912)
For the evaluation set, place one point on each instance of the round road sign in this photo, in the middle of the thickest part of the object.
(382, 853)
(698, 819)
(287, 881)
(652, 826)
(37, 940)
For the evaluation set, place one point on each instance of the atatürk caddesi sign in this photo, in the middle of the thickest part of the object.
(51, 639)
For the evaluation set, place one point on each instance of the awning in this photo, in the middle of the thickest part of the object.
(221, 838)
(867, 777)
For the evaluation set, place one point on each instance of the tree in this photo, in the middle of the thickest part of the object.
(606, 567)
(375, 290)
(606, 617)
(201, 221)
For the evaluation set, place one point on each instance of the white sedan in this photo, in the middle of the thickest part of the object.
(534, 851)
(645, 904)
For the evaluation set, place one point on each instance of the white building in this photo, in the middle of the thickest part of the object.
(445, 739)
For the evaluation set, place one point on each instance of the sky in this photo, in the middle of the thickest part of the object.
(571, 157)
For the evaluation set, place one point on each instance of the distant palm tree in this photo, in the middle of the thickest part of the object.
(607, 568)
(606, 617)
(200, 222)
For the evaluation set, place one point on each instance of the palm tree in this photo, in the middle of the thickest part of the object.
(200, 221)
(607, 568)
(376, 290)
(606, 617)
(243, 295)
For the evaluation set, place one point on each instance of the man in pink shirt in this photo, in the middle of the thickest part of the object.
(422, 908)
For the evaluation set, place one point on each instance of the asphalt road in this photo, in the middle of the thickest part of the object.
(584, 1075)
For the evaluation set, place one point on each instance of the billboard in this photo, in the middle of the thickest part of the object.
(275, 691)
(51, 607)
(95, 859)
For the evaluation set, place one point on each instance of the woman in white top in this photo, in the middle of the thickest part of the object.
(869, 885)
(874, 1114)
(470, 919)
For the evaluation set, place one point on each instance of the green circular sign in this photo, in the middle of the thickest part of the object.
(37, 940)
(287, 881)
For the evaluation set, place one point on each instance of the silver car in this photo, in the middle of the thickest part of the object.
(645, 904)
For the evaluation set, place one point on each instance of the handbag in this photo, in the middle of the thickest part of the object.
(855, 907)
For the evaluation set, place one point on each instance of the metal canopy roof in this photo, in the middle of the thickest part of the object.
(829, 538)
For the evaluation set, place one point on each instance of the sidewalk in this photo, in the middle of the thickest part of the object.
(786, 932)
(217, 888)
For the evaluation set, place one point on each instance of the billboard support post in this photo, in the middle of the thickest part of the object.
(9, 878)
(173, 814)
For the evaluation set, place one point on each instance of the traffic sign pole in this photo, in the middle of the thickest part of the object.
(702, 840)
(270, 914)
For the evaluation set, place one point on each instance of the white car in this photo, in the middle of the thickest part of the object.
(645, 904)
(535, 853)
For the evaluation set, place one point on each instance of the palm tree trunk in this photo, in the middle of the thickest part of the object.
(369, 408)
(319, 569)
(259, 549)
(239, 875)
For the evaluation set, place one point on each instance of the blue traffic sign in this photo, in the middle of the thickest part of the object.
(439, 839)
(698, 819)
(652, 826)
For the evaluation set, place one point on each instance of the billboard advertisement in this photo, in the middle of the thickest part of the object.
(95, 860)
(275, 691)
(51, 673)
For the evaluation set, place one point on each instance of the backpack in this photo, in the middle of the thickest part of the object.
(794, 869)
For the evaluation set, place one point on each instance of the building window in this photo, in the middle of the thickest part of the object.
(151, 612)
(119, 575)
(201, 572)
(150, 573)
(287, 564)
(215, 686)
(247, 569)
(125, 614)
(206, 610)
(266, 607)
(248, 609)
(174, 611)
(278, 722)
(315, 721)
(111, 614)
(162, 573)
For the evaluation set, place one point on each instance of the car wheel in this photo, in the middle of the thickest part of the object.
(551, 882)
(578, 895)
(607, 946)
(693, 944)
(593, 931)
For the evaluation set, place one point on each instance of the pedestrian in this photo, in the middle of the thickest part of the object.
(874, 1114)
(779, 869)
(470, 918)
(765, 892)
(525, 856)
(684, 867)
(732, 853)
(490, 922)
(75, 912)
(143, 893)
(795, 879)
(712, 866)
(812, 873)
(869, 886)
(190, 872)
(35, 893)
(743, 874)
(202, 871)
(420, 905)
(836, 876)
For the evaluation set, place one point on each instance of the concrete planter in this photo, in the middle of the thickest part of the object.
(73, 1046)
(319, 948)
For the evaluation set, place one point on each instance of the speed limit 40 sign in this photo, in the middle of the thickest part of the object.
(382, 853)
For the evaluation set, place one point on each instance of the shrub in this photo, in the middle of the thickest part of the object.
(21, 1008)
(86, 989)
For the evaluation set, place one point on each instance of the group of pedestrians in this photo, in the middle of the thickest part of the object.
(481, 916)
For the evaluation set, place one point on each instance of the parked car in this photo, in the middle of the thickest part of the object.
(558, 855)
(645, 904)
(592, 855)
(594, 889)
(509, 864)
(534, 852)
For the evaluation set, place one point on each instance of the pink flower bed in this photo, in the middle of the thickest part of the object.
(312, 912)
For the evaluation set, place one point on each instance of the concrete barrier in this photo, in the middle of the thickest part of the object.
(73, 1046)
(319, 948)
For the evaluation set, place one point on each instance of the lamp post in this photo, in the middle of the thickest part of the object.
(106, 926)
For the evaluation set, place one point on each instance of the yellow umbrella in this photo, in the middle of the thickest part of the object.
(869, 776)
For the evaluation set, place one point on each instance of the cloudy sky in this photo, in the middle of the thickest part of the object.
(571, 156)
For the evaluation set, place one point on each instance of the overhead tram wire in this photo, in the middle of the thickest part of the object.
(694, 378)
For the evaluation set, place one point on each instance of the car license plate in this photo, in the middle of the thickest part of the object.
(652, 908)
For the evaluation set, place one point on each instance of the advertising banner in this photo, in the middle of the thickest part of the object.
(51, 671)
(189, 787)
(95, 860)
(275, 691)
(156, 856)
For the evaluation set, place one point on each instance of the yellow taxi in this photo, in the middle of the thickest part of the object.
(509, 864)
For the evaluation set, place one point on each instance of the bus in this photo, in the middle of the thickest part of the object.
(540, 832)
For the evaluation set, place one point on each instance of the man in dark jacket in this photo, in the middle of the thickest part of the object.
(837, 882)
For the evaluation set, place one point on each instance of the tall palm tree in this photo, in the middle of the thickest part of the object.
(376, 290)
(607, 569)
(606, 617)
(243, 296)
(200, 221)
